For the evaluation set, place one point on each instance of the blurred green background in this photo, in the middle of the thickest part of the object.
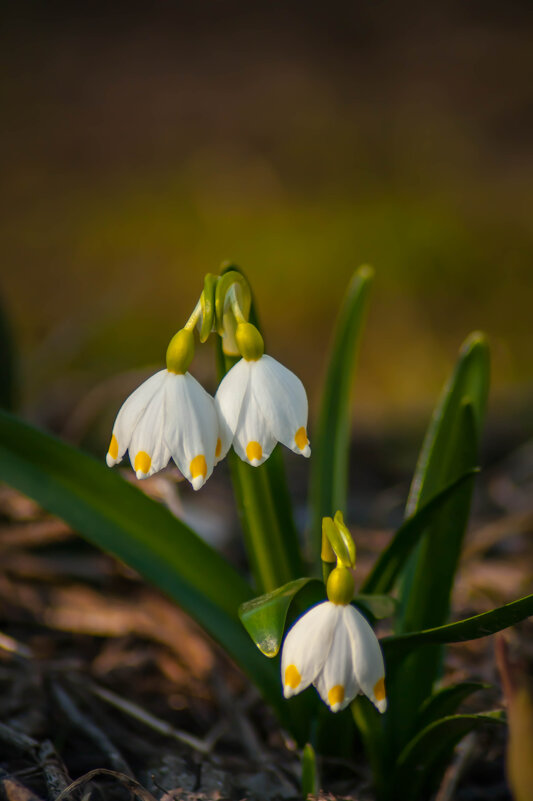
(145, 143)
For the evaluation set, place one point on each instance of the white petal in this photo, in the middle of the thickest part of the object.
(130, 413)
(253, 441)
(147, 450)
(336, 683)
(229, 400)
(191, 427)
(283, 401)
(367, 657)
(306, 647)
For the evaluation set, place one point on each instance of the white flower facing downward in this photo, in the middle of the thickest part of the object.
(260, 402)
(334, 648)
(169, 415)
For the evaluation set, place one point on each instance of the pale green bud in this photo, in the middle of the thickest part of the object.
(180, 352)
(340, 586)
(249, 341)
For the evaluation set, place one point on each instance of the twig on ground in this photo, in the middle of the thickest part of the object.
(128, 781)
(55, 773)
(90, 729)
(161, 726)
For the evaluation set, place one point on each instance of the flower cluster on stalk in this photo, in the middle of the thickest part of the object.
(171, 416)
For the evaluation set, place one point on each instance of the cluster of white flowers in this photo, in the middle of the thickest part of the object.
(258, 403)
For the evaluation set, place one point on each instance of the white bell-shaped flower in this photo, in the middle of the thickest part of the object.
(334, 648)
(169, 415)
(260, 402)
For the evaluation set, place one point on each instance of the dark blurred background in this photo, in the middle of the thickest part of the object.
(145, 143)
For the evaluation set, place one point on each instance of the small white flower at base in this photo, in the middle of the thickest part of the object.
(169, 415)
(334, 648)
(260, 402)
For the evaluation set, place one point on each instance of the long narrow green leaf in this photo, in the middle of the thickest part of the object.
(450, 450)
(446, 701)
(422, 763)
(471, 628)
(331, 441)
(117, 517)
(264, 506)
(392, 560)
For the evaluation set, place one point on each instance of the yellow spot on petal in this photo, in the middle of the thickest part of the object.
(301, 439)
(142, 462)
(379, 689)
(254, 451)
(336, 695)
(292, 676)
(113, 447)
(198, 466)
(218, 449)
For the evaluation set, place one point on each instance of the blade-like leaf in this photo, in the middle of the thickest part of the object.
(264, 505)
(378, 606)
(117, 517)
(450, 450)
(471, 628)
(392, 560)
(264, 617)
(329, 467)
(446, 701)
(422, 763)
(309, 772)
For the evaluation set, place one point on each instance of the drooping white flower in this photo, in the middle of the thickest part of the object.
(169, 415)
(334, 648)
(260, 402)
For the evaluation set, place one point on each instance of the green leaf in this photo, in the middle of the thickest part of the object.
(331, 441)
(377, 606)
(117, 517)
(471, 628)
(445, 702)
(421, 765)
(449, 451)
(309, 772)
(263, 500)
(264, 617)
(392, 560)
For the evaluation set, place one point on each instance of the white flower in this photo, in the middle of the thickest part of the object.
(334, 648)
(169, 415)
(260, 403)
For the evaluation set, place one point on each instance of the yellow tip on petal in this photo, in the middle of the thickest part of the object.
(198, 467)
(254, 451)
(301, 439)
(336, 695)
(218, 449)
(379, 689)
(142, 462)
(113, 447)
(292, 676)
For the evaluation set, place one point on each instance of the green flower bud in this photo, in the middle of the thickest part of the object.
(249, 341)
(341, 586)
(180, 352)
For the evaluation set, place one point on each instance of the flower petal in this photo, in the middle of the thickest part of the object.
(191, 427)
(147, 450)
(228, 401)
(253, 441)
(367, 657)
(129, 415)
(336, 682)
(283, 401)
(306, 647)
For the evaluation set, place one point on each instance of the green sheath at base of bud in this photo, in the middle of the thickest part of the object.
(180, 352)
(340, 586)
(249, 341)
